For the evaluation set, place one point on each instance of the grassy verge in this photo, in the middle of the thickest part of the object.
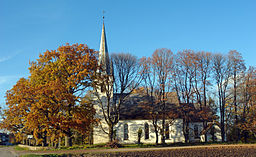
(4, 146)
(193, 152)
(20, 148)
(45, 155)
(102, 146)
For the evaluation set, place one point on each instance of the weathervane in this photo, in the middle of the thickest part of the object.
(103, 15)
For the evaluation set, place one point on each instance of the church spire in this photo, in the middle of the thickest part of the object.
(103, 53)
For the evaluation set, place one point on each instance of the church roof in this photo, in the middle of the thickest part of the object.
(138, 107)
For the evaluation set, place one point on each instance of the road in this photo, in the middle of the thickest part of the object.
(7, 152)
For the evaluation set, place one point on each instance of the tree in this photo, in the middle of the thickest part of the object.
(18, 100)
(184, 76)
(49, 101)
(236, 67)
(66, 72)
(203, 67)
(162, 60)
(123, 78)
(150, 85)
(246, 110)
(221, 68)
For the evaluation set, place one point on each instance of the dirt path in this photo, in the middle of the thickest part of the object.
(253, 146)
(7, 152)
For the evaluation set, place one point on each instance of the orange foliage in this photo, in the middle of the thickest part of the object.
(49, 101)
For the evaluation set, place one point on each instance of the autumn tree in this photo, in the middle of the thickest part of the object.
(48, 102)
(112, 88)
(247, 101)
(18, 101)
(184, 76)
(67, 72)
(150, 85)
(237, 66)
(222, 74)
(203, 68)
(162, 60)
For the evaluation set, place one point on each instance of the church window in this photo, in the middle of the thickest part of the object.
(196, 133)
(126, 132)
(167, 135)
(146, 127)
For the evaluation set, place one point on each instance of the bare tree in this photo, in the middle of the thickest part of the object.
(116, 86)
(221, 68)
(237, 67)
(203, 69)
(184, 75)
(162, 60)
(183, 78)
(150, 85)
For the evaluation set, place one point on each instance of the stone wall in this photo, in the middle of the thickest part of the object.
(175, 132)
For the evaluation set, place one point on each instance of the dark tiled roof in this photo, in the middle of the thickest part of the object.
(138, 107)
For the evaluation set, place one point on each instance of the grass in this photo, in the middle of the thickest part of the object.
(20, 148)
(102, 146)
(4, 146)
(74, 147)
(44, 155)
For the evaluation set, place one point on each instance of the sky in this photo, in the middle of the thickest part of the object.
(30, 27)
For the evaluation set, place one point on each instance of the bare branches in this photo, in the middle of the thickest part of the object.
(111, 90)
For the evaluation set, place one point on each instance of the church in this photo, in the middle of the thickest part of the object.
(132, 118)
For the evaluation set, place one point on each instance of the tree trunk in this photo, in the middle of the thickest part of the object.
(44, 143)
(91, 135)
(68, 139)
(222, 115)
(205, 122)
(156, 136)
(222, 124)
(59, 142)
(110, 133)
(156, 131)
(205, 135)
(237, 130)
(186, 131)
(163, 132)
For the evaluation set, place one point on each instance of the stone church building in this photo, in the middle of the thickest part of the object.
(132, 118)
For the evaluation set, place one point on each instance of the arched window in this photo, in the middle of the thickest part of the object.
(146, 127)
(196, 133)
(167, 135)
(126, 137)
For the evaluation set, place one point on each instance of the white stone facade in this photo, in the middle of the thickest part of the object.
(175, 132)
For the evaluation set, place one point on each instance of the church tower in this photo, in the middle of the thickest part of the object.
(103, 52)
(104, 90)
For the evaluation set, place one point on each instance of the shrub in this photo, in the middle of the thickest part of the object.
(113, 144)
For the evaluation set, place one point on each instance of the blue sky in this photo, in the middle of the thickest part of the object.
(30, 27)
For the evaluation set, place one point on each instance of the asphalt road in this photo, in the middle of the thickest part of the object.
(7, 152)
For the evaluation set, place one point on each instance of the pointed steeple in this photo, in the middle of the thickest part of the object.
(103, 53)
